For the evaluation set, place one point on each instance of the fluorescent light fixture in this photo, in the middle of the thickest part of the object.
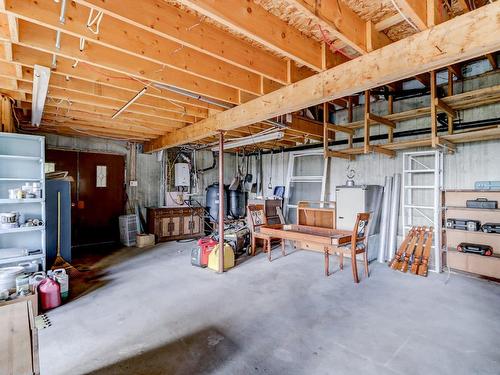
(129, 103)
(250, 140)
(41, 77)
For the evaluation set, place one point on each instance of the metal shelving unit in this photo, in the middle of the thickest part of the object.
(421, 203)
(22, 160)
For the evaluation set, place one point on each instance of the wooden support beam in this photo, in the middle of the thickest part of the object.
(167, 21)
(338, 154)
(457, 70)
(374, 38)
(460, 39)
(254, 22)
(492, 60)
(450, 93)
(434, 123)
(445, 107)
(450, 146)
(340, 128)
(382, 150)
(343, 24)
(124, 37)
(390, 110)
(464, 4)
(374, 119)
(366, 133)
(41, 38)
(326, 138)
(416, 10)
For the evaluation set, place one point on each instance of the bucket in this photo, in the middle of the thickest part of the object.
(63, 279)
(8, 277)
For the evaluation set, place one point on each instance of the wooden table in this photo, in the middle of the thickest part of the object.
(329, 239)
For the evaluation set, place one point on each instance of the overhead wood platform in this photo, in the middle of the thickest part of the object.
(226, 65)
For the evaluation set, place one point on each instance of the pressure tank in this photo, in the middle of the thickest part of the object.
(212, 201)
(237, 203)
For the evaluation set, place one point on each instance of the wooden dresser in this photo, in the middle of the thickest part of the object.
(175, 223)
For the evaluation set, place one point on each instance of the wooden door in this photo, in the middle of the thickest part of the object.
(98, 194)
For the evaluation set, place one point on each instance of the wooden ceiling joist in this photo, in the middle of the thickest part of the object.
(167, 21)
(254, 22)
(118, 35)
(415, 10)
(28, 57)
(459, 39)
(43, 39)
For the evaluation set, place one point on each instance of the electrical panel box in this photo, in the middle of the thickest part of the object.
(182, 177)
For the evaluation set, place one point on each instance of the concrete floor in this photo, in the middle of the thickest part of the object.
(153, 313)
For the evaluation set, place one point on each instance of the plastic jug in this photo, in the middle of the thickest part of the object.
(213, 258)
(50, 293)
(63, 279)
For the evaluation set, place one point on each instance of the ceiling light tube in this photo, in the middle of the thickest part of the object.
(129, 103)
(41, 77)
(250, 140)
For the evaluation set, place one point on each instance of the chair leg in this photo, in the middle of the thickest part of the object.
(283, 247)
(341, 261)
(267, 243)
(367, 272)
(354, 267)
(254, 240)
(327, 262)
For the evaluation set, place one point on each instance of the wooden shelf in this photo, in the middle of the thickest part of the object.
(27, 200)
(474, 263)
(22, 229)
(19, 157)
(457, 208)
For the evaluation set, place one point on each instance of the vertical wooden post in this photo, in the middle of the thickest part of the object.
(325, 130)
(367, 122)
(450, 93)
(390, 103)
(221, 202)
(349, 119)
(434, 124)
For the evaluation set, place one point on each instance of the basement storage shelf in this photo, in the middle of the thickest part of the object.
(22, 160)
(456, 209)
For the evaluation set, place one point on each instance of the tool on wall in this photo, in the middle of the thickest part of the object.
(60, 262)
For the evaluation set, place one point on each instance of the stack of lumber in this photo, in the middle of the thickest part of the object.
(414, 252)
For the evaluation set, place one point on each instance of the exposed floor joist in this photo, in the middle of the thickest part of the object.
(462, 38)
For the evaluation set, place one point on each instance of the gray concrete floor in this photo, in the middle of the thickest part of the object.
(156, 314)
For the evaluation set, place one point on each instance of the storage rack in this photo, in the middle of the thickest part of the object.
(22, 159)
(421, 200)
(456, 208)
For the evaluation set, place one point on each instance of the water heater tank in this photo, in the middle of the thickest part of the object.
(182, 177)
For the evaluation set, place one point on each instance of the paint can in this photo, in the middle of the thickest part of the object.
(63, 279)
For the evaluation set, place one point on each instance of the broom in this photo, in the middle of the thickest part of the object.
(60, 262)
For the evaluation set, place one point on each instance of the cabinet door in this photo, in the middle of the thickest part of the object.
(196, 226)
(175, 226)
(165, 227)
(188, 224)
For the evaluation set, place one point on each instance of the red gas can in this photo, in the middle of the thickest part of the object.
(206, 244)
(50, 293)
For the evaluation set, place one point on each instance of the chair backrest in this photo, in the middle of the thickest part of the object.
(361, 229)
(256, 216)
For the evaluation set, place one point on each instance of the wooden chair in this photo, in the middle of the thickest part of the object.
(358, 245)
(256, 218)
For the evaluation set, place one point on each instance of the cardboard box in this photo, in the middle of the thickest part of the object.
(145, 240)
(32, 297)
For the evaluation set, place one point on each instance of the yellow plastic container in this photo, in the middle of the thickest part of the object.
(213, 258)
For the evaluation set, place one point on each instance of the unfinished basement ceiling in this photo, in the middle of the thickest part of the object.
(203, 56)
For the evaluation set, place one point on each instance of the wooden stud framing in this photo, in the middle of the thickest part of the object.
(366, 132)
(434, 124)
(390, 110)
(450, 93)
